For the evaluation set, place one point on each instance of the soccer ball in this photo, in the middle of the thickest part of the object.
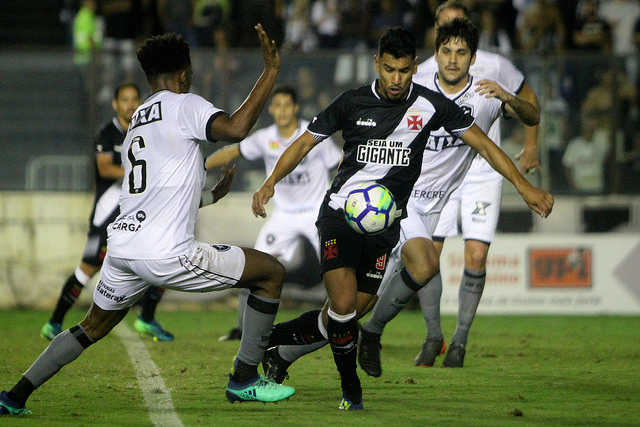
(370, 208)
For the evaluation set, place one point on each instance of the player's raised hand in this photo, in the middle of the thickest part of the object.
(269, 51)
(223, 185)
(260, 198)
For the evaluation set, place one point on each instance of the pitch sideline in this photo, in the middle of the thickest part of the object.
(156, 395)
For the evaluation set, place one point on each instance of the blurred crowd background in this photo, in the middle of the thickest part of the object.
(60, 60)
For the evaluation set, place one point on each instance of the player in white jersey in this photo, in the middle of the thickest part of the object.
(298, 196)
(395, 115)
(152, 241)
(477, 201)
(415, 260)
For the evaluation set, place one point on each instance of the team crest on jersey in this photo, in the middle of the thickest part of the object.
(153, 113)
(274, 145)
(468, 109)
(330, 250)
(414, 120)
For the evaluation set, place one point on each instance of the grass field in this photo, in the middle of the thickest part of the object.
(538, 370)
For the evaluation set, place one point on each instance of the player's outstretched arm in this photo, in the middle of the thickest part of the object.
(538, 200)
(106, 167)
(222, 156)
(236, 127)
(287, 162)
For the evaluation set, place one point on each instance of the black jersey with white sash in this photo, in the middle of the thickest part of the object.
(384, 140)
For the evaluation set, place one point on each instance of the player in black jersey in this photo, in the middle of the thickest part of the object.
(394, 113)
(108, 183)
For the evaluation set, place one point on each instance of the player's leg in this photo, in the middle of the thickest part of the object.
(68, 296)
(342, 330)
(278, 358)
(469, 295)
(480, 209)
(146, 322)
(63, 349)
(421, 264)
(95, 250)
(430, 295)
(263, 275)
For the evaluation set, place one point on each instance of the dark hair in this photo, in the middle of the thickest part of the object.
(459, 28)
(162, 54)
(285, 90)
(118, 89)
(398, 42)
(452, 4)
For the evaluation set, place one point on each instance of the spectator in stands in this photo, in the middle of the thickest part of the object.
(353, 25)
(87, 34)
(209, 16)
(622, 16)
(542, 30)
(387, 15)
(591, 33)
(585, 158)
(325, 17)
(177, 17)
(298, 30)
(492, 38)
(121, 29)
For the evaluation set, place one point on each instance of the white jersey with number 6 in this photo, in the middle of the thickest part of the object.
(163, 177)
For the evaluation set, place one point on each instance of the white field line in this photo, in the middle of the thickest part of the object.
(156, 395)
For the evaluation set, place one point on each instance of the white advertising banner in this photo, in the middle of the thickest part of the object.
(551, 274)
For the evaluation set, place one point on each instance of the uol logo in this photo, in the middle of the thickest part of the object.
(414, 120)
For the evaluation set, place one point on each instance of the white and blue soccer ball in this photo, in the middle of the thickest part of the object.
(370, 208)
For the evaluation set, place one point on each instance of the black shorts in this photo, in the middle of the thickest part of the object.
(341, 246)
(96, 247)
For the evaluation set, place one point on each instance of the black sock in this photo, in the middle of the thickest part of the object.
(68, 297)
(21, 391)
(301, 330)
(343, 337)
(243, 371)
(149, 302)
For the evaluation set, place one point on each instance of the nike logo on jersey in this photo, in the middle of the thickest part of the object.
(150, 114)
(382, 152)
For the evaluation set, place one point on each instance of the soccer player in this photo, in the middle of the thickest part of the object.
(152, 241)
(477, 200)
(299, 194)
(386, 127)
(415, 261)
(108, 183)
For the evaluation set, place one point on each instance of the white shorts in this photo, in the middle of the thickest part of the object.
(479, 206)
(206, 268)
(281, 234)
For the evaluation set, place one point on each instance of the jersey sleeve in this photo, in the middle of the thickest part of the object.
(195, 115)
(508, 76)
(251, 148)
(454, 119)
(104, 144)
(331, 119)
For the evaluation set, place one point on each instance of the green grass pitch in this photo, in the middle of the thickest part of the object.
(519, 370)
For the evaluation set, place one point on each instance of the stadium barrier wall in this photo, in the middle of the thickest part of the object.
(549, 271)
